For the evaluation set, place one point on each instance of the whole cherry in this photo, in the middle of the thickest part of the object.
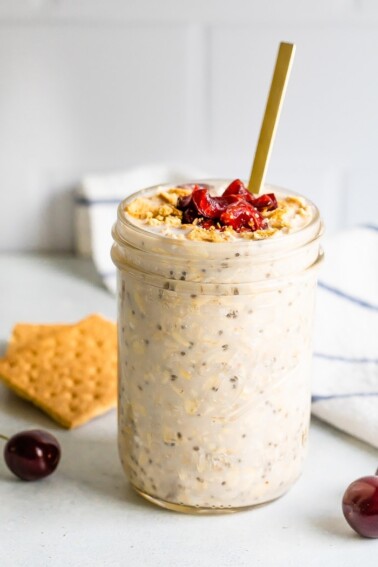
(32, 455)
(360, 506)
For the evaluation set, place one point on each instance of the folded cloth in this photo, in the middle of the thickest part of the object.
(345, 376)
(96, 202)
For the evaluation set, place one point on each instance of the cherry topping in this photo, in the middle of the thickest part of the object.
(237, 187)
(32, 455)
(267, 201)
(237, 208)
(208, 206)
(242, 215)
(360, 506)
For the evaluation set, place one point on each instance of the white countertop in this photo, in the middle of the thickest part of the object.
(86, 515)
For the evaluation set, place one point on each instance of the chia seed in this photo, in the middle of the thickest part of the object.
(232, 314)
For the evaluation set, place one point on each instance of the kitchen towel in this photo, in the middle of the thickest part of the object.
(345, 372)
(96, 202)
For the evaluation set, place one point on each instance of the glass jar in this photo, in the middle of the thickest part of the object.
(214, 363)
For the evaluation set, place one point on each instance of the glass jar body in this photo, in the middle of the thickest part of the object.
(214, 378)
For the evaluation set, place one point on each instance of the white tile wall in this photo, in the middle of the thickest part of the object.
(100, 85)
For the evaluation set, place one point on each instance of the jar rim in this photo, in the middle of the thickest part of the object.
(255, 246)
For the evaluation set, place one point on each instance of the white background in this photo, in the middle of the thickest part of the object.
(101, 85)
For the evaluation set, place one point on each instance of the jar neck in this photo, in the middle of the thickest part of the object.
(232, 262)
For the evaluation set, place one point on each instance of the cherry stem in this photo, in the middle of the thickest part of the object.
(4, 437)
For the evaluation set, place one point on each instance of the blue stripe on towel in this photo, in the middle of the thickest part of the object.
(89, 202)
(351, 298)
(348, 359)
(370, 227)
(315, 398)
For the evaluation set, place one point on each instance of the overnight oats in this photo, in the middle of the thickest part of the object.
(216, 293)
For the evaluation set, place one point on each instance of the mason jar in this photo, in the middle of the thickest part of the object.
(214, 363)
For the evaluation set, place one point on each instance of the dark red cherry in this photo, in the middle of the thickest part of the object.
(236, 187)
(242, 215)
(360, 506)
(208, 206)
(267, 201)
(32, 455)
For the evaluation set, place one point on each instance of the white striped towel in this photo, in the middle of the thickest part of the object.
(345, 377)
(96, 202)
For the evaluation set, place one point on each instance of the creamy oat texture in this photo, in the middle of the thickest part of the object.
(214, 361)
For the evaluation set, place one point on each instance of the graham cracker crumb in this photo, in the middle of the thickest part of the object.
(172, 195)
(142, 208)
(208, 234)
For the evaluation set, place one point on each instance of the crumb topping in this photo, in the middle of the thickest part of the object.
(160, 210)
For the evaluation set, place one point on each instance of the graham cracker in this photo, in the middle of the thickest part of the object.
(70, 373)
(24, 333)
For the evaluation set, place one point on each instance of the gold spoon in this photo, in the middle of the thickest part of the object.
(272, 111)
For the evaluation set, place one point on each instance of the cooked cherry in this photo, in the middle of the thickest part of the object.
(242, 215)
(237, 208)
(32, 455)
(208, 206)
(237, 187)
(360, 506)
(184, 202)
(267, 201)
(207, 223)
